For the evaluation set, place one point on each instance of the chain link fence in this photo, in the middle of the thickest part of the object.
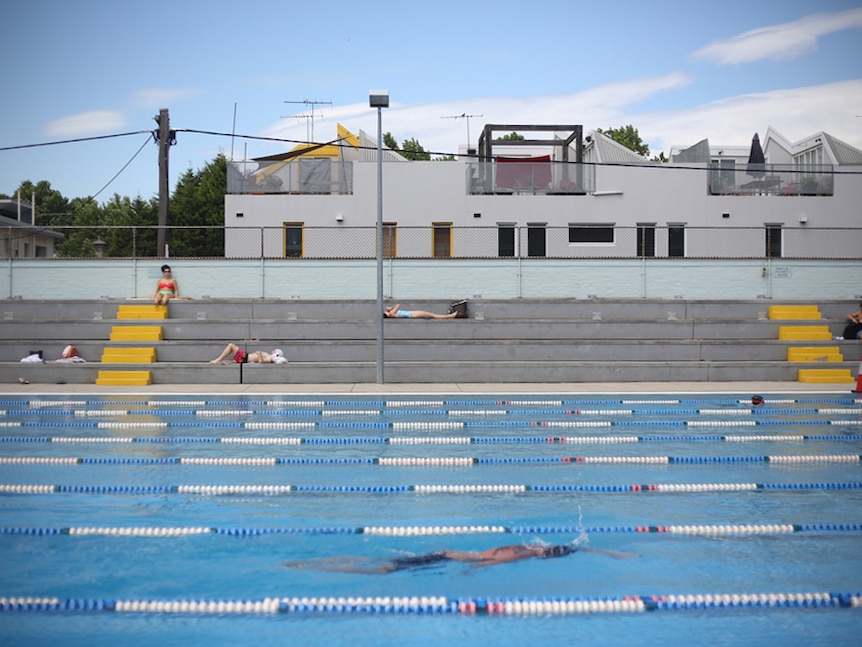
(436, 242)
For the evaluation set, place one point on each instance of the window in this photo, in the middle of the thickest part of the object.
(592, 233)
(390, 240)
(442, 239)
(646, 240)
(506, 239)
(536, 245)
(676, 240)
(773, 241)
(293, 239)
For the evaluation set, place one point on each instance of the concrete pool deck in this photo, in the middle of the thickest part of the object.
(451, 388)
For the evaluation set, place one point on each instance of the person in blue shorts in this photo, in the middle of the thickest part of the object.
(490, 557)
(395, 312)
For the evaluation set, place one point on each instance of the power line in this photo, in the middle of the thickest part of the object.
(73, 141)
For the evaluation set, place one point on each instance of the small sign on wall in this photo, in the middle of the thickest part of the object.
(782, 272)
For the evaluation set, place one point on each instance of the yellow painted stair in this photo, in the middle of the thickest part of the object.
(124, 378)
(136, 333)
(825, 375)
(794, 312)
(804, 333)
(129, 355)
(813, 354)
(142, 312)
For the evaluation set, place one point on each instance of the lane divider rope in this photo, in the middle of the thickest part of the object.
(440, 605)
(242, 489)
(434, 440)
(738, 530)
(429, 461)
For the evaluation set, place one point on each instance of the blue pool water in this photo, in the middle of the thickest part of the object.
(111, 502)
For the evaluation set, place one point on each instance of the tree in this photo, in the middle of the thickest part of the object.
(513, 137)
(51, 207)
(198, 202)
(411, 148)
(629, 137)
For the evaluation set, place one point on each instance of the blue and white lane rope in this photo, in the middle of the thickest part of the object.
(736, 530)
(438, 605)
(428, 425)
(270, 490)
(244, 412)
(433, 440)
(439, 461)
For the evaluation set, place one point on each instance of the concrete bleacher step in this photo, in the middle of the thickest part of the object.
(142, 312)
(113, 355)
(814, 354)
(124, 378)
(794, 312)
(137, 333)
(826, 375)
(804, 333)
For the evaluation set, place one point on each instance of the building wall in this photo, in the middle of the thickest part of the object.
(422, 193)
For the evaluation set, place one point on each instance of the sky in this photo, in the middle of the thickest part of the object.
(678, 71)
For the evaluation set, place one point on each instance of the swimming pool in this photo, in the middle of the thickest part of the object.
(154, 518)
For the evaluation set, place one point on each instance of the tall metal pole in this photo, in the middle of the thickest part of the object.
(164, 132)
(380, 362)
(379, 99)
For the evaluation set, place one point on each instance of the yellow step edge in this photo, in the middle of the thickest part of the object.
(136, 333)
(794, 312)
(825, 375)
(129, 355)
(815, 354)
(142, 312)
(810, 333)
(124, 378)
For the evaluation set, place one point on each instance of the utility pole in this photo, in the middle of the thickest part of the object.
(165, 137)
(310, 118)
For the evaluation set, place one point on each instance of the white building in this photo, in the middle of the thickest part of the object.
(19, 238)
(561, 196)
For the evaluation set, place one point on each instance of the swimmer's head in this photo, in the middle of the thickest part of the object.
(756, 400)
(556, 551)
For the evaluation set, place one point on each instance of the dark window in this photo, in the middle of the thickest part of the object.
(442, 239)
(506, 241)
(390, 240)
(591, 234)
(676, 241)
(646, 240)
(293, 240)
(773, 242)
(536, 240)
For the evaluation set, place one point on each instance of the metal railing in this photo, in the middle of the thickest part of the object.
(770, 179)
(437, 242)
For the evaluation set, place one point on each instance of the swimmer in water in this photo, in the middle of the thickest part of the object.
(490, 557)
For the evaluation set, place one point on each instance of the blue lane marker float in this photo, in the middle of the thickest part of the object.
(517, 488)
(439, 461)
(441, 440)
(437, 605)
(737, 530)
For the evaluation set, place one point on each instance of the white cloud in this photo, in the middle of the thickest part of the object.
(794, 112)
(779, 42)
(162, 98)
(85, 123)
(601, 106)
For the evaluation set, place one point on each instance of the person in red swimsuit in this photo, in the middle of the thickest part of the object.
(167, 289)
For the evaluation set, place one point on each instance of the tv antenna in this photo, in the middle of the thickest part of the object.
(467, 117)
(309, 119)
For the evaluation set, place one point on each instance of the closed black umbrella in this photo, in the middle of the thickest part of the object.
(756, 159)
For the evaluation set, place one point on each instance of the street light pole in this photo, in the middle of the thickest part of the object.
(379, 99)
